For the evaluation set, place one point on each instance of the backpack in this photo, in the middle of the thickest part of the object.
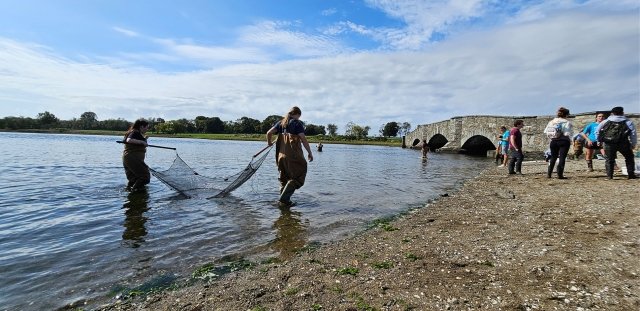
(555, 131)
(614, 132)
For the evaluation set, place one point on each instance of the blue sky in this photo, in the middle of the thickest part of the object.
(369, 62)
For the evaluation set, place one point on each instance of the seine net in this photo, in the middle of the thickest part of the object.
(181, 177)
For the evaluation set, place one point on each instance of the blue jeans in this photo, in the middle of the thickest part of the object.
(515, 161)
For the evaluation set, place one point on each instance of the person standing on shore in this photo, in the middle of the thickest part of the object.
(135, 149)
(591, 142)
(289, 156)
(560, 131)
(619, 135)
(515, 148)
(504, 145)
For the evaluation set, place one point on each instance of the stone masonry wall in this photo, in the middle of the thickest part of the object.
(458, 130)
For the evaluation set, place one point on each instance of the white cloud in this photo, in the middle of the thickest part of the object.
(262, 42)
(213, 55)
(586, 61)
(329, 12)
(280, 36)
(126, 32)
(422, 19)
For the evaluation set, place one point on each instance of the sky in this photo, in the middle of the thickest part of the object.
(369, 62)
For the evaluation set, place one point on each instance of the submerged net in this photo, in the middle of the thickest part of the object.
(185, 180)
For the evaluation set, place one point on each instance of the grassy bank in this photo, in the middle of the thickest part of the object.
(325, 139)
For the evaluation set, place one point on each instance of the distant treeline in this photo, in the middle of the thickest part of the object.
(201, 124)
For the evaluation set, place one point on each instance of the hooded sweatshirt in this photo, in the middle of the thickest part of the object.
(633, 135)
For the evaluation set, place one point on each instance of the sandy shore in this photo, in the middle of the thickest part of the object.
(501, 243)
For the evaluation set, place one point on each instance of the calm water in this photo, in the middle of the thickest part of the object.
(69, 232)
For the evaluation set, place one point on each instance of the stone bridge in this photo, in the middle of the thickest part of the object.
(477, 135)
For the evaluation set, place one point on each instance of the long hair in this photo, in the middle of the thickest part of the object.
(285, 119)
(563, 112)
(136, 126)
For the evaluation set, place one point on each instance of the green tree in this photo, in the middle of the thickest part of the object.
(47, 119)
(114, 124)
(214, 125)
(390, 129)
(405, 128)
(268, 122)
(183, 126)
(248, 125)
(165, 128)
(88, 120)
(201, 124)
(312, 129)
(231, 127)
(356, 131)
(332, 128)
(17, 123)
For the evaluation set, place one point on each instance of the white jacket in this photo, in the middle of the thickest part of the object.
(567, 127)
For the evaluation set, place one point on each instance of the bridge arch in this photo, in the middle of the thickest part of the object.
(437, 141)
(477, 145)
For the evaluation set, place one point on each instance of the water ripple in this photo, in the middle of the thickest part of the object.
(69, 231)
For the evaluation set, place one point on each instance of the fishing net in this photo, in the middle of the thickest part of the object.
(187, 181)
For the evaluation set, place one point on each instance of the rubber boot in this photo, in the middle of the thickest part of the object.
(590, 165)
(287, 192)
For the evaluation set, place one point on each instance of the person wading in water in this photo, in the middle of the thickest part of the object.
(289, 156)
(133, 156)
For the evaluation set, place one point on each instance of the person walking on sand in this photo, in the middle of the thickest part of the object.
(591, 142)
(618, 134)
(560, 131)
(292, 166)
(135, 148)
(515, 148)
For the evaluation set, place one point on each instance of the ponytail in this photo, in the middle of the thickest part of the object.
(287, 117)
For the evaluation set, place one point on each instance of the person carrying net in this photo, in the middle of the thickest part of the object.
(135, 147)
(292, 166)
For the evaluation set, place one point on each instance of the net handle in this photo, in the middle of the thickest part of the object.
(263, 149)
(154, 146)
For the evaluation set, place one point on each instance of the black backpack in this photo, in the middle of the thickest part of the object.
(614, 132)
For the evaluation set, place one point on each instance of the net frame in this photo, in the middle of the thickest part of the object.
(185, 180)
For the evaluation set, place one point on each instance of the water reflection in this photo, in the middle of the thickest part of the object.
(291, 233)
(134, 208)
(424, 165)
